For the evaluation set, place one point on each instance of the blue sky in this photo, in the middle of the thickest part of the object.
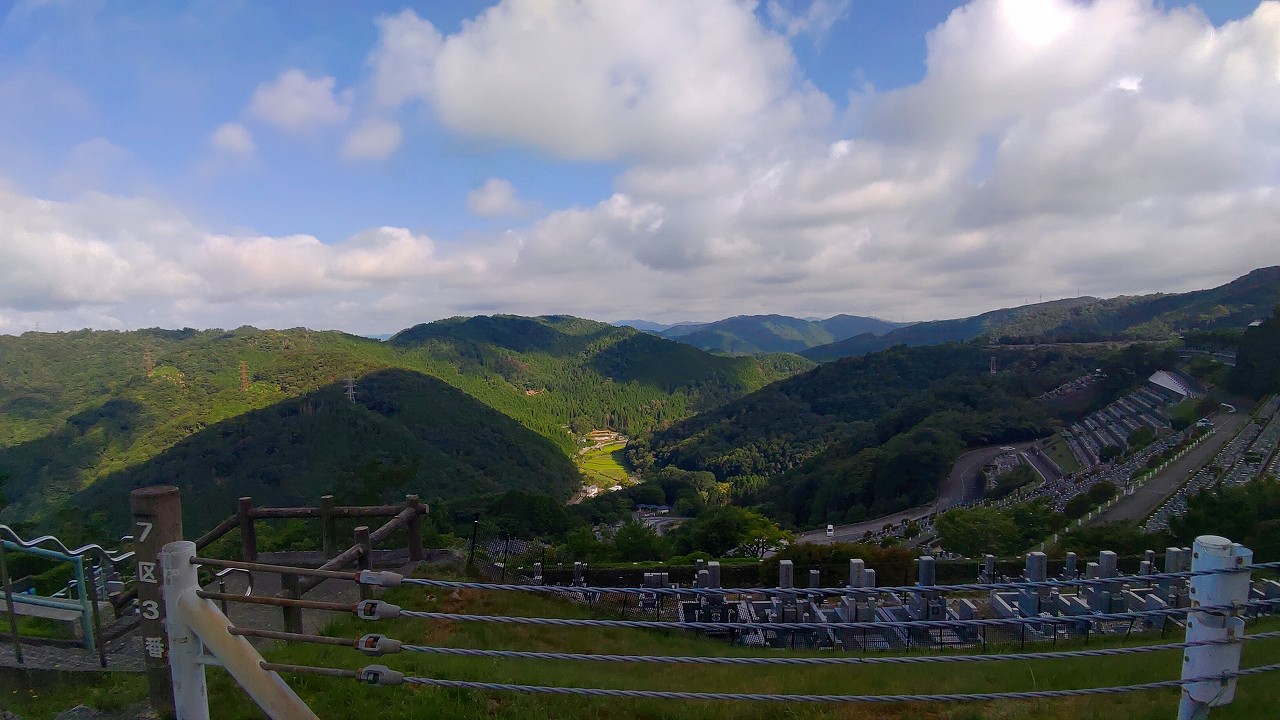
(365, 166)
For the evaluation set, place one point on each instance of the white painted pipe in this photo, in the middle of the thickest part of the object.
(237, 655)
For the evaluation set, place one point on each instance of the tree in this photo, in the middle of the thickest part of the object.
(1110, 452)
(1102, 492)
(1077, 506)
(636, 541)
(978, 530)
(727, 529)
(763, 535)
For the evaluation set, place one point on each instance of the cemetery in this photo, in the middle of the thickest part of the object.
(929, 615)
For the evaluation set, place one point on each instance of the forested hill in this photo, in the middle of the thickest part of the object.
(751, 334)
(405, 433)
(865, 436)
(79, 407)
(1160, 316)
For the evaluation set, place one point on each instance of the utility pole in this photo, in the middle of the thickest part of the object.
(475, 524)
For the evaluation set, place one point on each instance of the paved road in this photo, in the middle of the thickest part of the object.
(1142, 503)
(662, 524)
(950, 493)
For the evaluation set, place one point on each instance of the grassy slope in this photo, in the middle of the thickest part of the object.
(336, 699)
(604, 467)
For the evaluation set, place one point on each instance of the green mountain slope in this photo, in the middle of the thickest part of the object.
(1145, 317)
(748, 334)
(82, 407)
(865, 436)
(405, 433)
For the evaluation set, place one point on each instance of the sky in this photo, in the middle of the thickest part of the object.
(368, 166)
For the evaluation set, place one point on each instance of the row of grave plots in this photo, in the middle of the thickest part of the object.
(1248, 455)
(1032, 614)
(1112, 425)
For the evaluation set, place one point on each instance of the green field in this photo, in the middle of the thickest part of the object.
(1058, 449)
(1185, 411)
(337, 698)
(605, 466)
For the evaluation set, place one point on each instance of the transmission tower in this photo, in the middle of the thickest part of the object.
(993, 364)
(244, 376)
(149, 362)
(351, 388)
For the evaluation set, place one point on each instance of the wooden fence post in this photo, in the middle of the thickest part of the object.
(328, 528)
(415, 527)
(248, 534)
(157, 521)
(365, 561)
(291, 587)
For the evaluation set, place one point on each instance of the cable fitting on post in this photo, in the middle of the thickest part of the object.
(380, 578)
(381, 676)
(375, 645)
(377, 610)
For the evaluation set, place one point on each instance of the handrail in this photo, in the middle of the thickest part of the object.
(92, 548)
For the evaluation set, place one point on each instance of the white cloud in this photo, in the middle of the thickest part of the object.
(816, 20)
(603, 78)
(295, 102)
(98, 165)
(496, 198)
(233, 139)
(1114, 146)
(124, 257)
(374, 139)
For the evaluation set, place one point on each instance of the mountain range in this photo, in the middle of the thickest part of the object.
(86, 415)
(754, 334)
(482, 404)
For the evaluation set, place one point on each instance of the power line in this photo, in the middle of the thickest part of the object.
(378, 645)
(381, 675)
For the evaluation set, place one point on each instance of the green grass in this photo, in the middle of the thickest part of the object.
(605, 466)
(347, 699)
(39, 627)
(1058, 449)
(342, 699)
(1185, 411)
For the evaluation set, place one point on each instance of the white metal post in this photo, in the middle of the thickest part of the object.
(1211, 552)
(202, 621)
(190, 694)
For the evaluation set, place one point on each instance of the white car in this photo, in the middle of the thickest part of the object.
(831, 531)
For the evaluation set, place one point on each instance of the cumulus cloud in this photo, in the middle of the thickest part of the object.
(496, 198)
(234, 140)
(124, 257)
(295, 102)
(1052, 145)
(601, 79)
(374, 139)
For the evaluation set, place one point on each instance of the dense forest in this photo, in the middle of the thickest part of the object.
(1257, 370)
(77, 409)
(865, 436)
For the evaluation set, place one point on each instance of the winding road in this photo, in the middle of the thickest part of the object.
(950, 493)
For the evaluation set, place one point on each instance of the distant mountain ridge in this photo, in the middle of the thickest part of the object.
(1158, 316)
(755, 334)
(78, 409)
